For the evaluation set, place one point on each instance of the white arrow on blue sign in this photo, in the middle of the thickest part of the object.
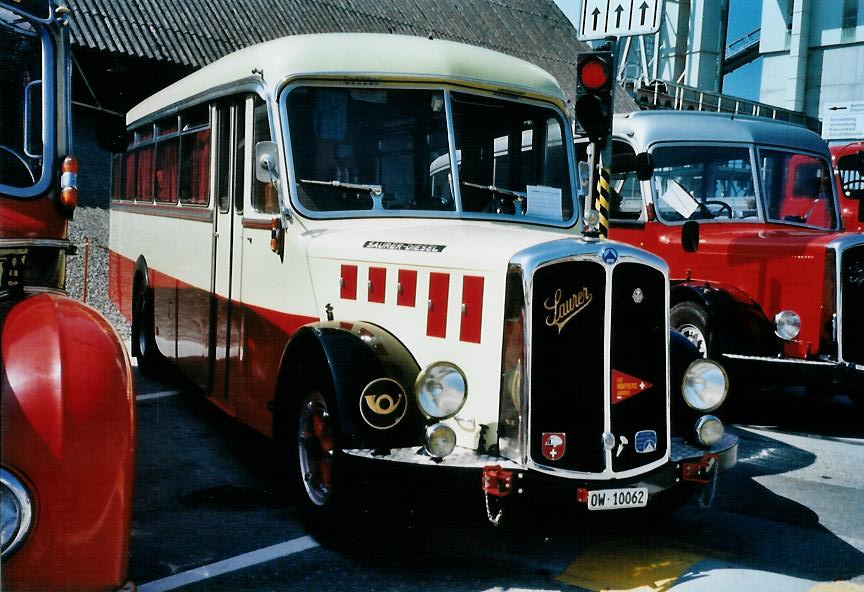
(618, 18)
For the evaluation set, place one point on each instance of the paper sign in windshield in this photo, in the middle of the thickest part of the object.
(678, 199)
(545, 202)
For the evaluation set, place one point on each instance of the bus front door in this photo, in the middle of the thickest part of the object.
(226, 320)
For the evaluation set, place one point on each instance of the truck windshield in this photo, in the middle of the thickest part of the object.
(717, 183)
(22, 54)
(386, 151)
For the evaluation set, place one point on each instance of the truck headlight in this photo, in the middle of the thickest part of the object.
(787, 325)
(440, 440)
(705, 385)
(16, 512)
(441, 390)
(709, 430)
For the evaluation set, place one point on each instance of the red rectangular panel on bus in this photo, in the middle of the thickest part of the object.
(436, 317)
(348, 282)
(377, 284)
(407, 294)
(472, 308)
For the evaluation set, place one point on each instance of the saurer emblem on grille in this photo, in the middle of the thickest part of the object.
(564, 309)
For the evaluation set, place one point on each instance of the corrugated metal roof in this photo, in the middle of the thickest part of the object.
(192, 33)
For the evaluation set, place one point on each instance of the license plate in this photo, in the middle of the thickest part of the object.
(615, 499)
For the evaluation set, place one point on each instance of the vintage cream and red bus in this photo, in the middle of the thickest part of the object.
(68, 421)
(745, 213)
(848, 161)
(282, 232)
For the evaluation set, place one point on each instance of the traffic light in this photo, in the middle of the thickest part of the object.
(595, 77)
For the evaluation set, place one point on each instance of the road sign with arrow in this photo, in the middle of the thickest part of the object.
(618, 18)
(843, 121)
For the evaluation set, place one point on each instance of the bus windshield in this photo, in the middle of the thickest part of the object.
(22, 54)
(718, 183)
(374, 151)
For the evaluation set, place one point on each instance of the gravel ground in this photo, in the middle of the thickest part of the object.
(92, 224)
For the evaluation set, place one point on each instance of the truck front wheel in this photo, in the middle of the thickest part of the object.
(691, 320)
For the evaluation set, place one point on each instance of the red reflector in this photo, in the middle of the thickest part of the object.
(582, 495)
(69, 197)
(594, 75)
(70, 165)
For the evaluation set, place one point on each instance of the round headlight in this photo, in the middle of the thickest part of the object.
(440, 440)
(787, 324)
(441, 390)
(705, 385)
(16, 512)
(709, 430)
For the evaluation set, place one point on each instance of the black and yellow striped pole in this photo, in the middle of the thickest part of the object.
(602, 200)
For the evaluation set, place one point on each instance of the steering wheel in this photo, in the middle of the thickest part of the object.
(15, 177)
(724, 207)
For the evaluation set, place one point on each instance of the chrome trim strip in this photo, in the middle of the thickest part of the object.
(14, 485)
(35, 242)
(788, 361)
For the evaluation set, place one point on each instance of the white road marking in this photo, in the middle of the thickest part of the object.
(228, 565)
(159, 395)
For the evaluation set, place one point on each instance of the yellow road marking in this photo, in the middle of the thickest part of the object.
(629, 568)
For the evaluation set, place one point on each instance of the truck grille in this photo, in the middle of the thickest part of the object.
(569, 384)
(852, 295)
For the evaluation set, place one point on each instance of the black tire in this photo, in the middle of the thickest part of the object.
(144, 346)
(316, 475)
(691, 320)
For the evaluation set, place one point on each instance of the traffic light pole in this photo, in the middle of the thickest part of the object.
(601, 160)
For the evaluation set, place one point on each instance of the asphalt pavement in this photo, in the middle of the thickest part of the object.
(213, 511)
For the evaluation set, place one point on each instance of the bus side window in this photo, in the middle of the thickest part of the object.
(145, 149)
(264, 196)
(130, 161)
(117, 177)
(167, 161)
(195, 156)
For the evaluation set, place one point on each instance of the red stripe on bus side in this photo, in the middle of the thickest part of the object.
(472, 309)
(407, 293)
(348, 282)
(377, 284)
(436, 317)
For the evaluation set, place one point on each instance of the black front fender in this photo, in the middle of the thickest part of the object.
(738, 325)
(351, 356)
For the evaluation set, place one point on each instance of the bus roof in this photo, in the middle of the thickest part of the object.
(360, 55)
(650, 127)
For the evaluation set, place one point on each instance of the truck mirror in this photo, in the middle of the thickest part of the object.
(266, 162)
(644, 166)
(584, 170)
(690, 236)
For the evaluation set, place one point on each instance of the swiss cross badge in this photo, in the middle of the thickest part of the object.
(554, 445)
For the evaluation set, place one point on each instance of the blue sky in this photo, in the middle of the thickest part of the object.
(744, 16)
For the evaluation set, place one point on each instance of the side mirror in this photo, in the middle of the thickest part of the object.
(584, 171)
(644, 166)
(266, 162)
(33, 119)
(690, 236)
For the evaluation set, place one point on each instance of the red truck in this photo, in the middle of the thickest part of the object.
(68, 400)
(746, 214)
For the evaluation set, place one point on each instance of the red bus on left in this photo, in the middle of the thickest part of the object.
(68, 400)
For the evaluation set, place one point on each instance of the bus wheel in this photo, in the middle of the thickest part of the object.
(691, 320)
(143, 329)
(314, 457)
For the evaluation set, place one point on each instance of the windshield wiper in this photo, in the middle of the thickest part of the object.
(517, 195)
(374, 190)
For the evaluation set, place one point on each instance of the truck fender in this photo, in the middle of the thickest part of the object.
(68, 428)
(352, 356)
(737, 324)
